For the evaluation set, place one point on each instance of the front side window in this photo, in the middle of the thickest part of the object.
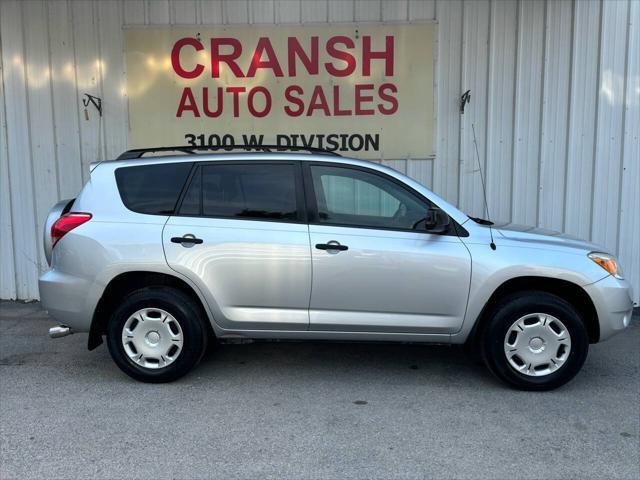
(252, 192)
(347, 196)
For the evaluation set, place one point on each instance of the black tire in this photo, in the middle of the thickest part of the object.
(516, 306)
(185, 311)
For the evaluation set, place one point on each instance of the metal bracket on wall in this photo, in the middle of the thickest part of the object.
(96, 101)
(466, 98)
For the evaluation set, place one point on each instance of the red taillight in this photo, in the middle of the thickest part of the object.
(66, 223)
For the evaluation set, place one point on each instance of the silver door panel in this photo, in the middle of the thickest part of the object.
(388, 281)
(254, 274)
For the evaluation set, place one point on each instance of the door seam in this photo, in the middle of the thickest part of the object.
(311, 283)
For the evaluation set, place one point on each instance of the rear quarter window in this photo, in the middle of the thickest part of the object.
(152, 189)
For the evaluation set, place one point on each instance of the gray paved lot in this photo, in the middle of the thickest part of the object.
(285, 410)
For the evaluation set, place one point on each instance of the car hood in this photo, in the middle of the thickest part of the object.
(544, 238)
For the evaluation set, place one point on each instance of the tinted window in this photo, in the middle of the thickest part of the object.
(152, 189)
(192, 201)
(260, 192)
(347, 196)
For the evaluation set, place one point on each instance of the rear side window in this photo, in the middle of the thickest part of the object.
(247, 191)
(152, 189)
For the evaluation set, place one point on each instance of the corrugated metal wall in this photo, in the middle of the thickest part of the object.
(555, 103)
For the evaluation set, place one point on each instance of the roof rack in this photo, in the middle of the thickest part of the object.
(191, 150)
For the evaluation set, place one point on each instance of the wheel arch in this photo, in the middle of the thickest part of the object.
(127, 282)
(567, 290)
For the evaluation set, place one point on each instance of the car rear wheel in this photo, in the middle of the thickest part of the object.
(157, 334)
(535, 341)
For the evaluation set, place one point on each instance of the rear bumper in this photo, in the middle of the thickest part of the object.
(66, 299)
(614, 305)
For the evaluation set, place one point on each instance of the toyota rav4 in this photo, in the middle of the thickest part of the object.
(164, 255)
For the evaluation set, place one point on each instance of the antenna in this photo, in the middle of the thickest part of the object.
(484, 188)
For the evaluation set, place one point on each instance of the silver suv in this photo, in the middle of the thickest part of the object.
(164, 255)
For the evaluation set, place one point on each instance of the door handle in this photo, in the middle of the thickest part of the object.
(186, 239)
(331, 246)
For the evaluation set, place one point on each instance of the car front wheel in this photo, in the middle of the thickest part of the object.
(535, 341)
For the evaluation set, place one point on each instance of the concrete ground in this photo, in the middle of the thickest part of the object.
(314, 410)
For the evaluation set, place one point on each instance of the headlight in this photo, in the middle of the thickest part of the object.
(608, 262)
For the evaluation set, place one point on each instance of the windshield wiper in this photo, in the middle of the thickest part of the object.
(481, 221)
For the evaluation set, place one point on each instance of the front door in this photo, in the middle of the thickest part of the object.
(241, 237)
(375, 267)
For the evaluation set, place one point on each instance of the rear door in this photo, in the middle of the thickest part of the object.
(241, 235)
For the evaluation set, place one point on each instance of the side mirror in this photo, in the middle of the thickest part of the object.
(436, 221)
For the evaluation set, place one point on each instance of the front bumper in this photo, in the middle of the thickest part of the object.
(66, 299)
(612, 299)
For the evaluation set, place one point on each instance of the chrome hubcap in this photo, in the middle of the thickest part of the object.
(537, 344)
(152, 338)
